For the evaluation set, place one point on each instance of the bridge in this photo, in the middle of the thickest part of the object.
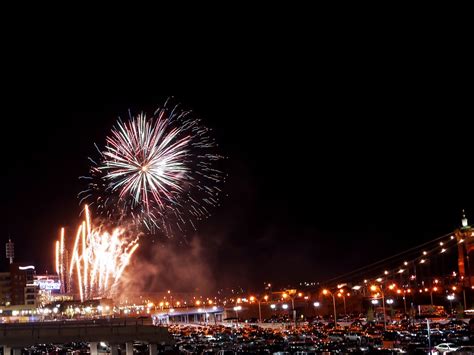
(14, 337)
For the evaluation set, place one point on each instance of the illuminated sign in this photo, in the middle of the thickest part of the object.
(48, 285)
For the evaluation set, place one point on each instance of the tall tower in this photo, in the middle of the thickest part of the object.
(465, 239)
(464, 220)
(10, 249)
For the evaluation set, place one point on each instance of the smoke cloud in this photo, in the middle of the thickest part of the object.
(156, 268)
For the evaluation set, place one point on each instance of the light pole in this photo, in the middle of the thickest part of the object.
(405, 294)
(374, 302)
(273, 307)
(285, 307)
(237, 309)
(341, 294)
(375, 288)
(451, 298)
(464, 296)
(292, 294)
(259, 301)
(316, 306)
(325, 292)
(390, 302)
(431, 293)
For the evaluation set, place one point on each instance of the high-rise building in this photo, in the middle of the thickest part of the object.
(5, 288)
(23, 289)
(17, 286)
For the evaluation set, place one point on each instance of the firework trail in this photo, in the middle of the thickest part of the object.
(158, 171)
(97, 261)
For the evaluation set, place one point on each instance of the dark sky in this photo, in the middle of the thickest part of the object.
(330, 165)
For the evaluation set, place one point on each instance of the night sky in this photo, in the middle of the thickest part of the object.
(325, 175)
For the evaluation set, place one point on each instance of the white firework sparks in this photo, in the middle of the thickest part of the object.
(158, 170)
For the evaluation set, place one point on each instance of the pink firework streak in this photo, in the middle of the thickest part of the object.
(145, 161)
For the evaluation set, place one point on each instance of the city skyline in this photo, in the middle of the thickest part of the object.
(302, 181)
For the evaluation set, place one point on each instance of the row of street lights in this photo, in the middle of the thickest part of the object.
(390, 301)
(341, 293)
(273, 306)
(292, 295)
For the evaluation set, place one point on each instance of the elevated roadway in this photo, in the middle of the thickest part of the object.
(15, 336)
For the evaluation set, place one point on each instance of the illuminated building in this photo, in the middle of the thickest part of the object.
(17, 286)
(50, 289)
(465, 239)
(23, 289)
(5, 288)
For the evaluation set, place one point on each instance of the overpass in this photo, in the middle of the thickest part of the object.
(209, 314)
(15, 336)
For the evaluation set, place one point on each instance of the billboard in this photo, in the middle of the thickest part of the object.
(48, 284)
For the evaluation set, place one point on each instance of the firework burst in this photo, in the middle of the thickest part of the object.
(157, 170)
(98, 260)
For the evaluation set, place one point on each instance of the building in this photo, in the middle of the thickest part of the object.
(23, 290)
(5, 288)
(50, 289)
(17, 286)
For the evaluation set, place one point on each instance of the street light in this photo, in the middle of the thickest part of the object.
(316, 305)
(390, 302)
(237, 309)
(259, 301)
(325, 292)
(451, 298)
(292, 294)
(341, 294)
(284, 306)
(171, 298)
(375, 288)
(431, 293)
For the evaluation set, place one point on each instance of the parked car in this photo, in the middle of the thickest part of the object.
(446, 347)
(354, 336)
